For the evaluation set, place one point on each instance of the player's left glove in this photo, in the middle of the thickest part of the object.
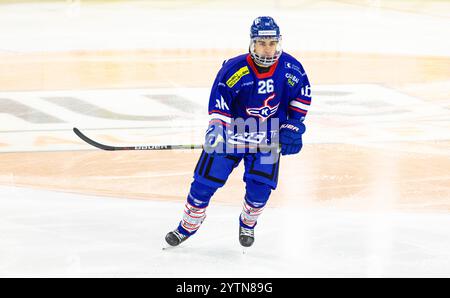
(291, 136)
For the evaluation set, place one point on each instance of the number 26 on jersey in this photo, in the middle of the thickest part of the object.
(265, 87)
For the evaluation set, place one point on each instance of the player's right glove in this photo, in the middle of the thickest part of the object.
(215, 139)
(291, 136)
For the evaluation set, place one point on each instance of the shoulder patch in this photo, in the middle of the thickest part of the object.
(290, 65)
(237, 76)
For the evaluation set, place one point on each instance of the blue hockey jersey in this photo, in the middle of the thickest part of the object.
(241, 92)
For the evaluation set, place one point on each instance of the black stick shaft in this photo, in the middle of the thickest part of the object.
(144, 147)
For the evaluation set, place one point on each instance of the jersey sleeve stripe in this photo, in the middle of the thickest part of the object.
(219, 121)
(221, 117)
(305, 101)
(299, 105)
(220, 112)
(298, 110)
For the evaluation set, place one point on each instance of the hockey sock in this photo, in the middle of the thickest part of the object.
(195, 208)
(249, 215)
(256, 197)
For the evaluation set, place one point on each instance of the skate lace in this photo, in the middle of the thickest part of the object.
(247, 232)
(179, 235)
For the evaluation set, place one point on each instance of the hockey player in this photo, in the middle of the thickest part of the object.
(265, 84)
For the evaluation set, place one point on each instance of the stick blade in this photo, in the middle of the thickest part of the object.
(92, 142)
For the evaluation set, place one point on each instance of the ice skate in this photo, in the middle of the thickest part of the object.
(246, 236)
(175, 238)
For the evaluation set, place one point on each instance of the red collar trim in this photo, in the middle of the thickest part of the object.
(255, 70)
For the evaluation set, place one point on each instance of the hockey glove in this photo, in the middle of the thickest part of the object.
(291, 136)
(215, 139)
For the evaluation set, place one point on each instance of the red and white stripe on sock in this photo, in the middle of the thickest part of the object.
(249, 214)
(192, 218)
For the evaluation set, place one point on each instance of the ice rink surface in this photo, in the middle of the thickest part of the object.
(48, 233)
(369, 195)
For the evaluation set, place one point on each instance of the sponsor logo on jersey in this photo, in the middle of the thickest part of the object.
(265, 111)
(237, 76)
(289, 65)
(221, 104)
(306, 91)
(292, 80)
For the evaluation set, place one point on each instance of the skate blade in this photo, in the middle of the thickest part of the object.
(167, 246)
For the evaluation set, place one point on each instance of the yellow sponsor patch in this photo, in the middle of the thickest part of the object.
(237, 76)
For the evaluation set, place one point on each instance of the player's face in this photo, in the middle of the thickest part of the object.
(266, 47)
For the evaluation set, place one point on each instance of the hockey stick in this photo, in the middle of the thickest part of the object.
(147, 147)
